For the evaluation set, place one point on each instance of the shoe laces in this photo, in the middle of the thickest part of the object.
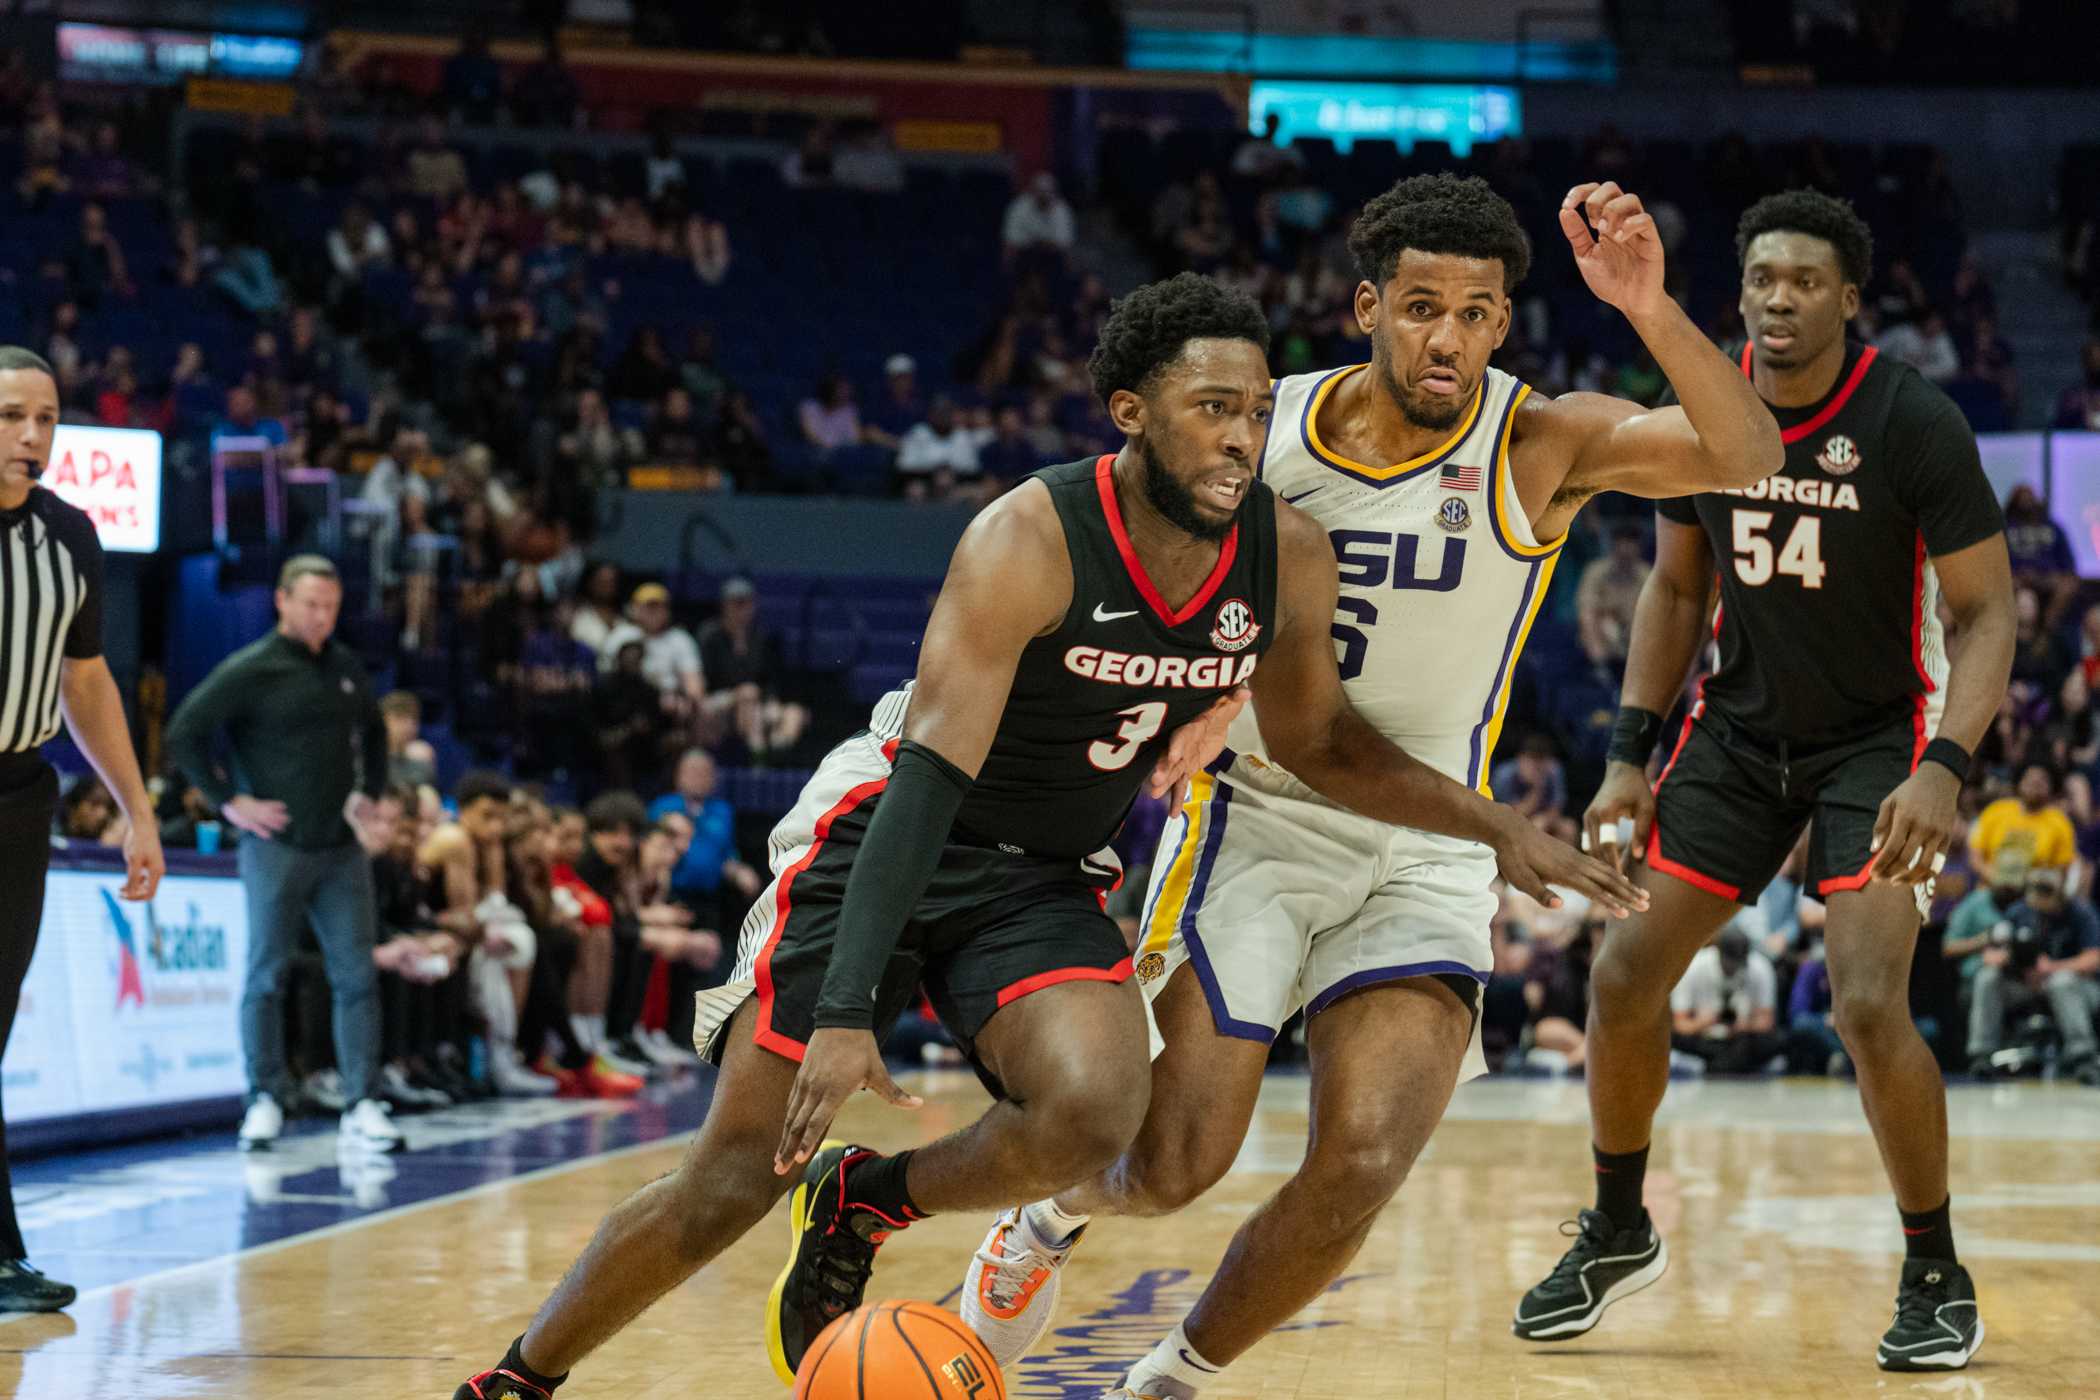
(844, 1262)
(1592, 1231)
(1011, 1271)
(1919, 1301)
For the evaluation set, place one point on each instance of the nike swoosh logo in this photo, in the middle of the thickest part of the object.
(1293, 500)
(1190, 1360)
(1100, 616)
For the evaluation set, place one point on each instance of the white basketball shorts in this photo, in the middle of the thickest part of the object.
(1279, 900)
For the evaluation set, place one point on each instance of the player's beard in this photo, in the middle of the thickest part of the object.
(1420, 410)
(1176, 503)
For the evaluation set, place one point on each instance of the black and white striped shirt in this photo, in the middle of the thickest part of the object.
(50, 609)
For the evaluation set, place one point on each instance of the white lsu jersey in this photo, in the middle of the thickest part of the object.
(1441, 578)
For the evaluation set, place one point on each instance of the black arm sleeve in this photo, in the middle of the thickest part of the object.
(896, 860)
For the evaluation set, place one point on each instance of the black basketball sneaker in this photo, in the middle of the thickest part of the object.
(1937, 1326)
(23, 1289)
(499, 1384)
(831, 1253)
(1603, 1265)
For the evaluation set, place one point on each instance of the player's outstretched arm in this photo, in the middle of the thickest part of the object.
(1310, 728)
(1669, 621)
(1010, 581)
(1723, 435)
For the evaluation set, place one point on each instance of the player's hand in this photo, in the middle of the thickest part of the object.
(1533, 861)
(1623, 260)
(1623, 793)
(838, 1063)
(1193, 747)
(258, 816)
(143, 862)
(1914, 827)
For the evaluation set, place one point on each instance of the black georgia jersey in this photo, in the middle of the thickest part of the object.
(1829, 626)
(1094, 703)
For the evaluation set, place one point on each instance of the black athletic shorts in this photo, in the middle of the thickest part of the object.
(1731, 804)
(991, 928)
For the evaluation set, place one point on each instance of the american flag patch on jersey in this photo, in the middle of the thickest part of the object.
(1456, 478)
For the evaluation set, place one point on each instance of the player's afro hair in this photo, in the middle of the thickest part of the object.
(1456, 214)
(1147, 329)
(1819, 216)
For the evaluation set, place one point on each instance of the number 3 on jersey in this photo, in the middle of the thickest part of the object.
(1801, 555)
(1140, 722)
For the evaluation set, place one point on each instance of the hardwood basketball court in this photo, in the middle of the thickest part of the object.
(235, 1279)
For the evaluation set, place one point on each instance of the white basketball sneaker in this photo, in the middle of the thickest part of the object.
(369, 1127)
(261, 1124)
(1159, 1388)
(1010, 1292)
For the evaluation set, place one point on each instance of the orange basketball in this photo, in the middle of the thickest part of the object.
(898, 1351)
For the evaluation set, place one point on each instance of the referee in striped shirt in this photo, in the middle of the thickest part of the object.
(51, 668)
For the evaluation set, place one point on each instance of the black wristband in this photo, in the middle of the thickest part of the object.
(1633, 735)
(1948, 755)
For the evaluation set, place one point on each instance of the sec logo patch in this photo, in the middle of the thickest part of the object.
(1233, 628)
(1454, 515)
(1150, 966)
(1840, 455)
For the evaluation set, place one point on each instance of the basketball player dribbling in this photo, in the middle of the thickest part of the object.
(1447, 488)
(1090, 620)
(1838, 706)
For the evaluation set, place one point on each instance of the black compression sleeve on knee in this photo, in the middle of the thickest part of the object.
(896, 860)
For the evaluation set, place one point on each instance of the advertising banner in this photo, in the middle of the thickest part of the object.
(129, 1005)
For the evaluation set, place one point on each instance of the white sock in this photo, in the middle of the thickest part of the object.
(1175, 1362)
(1051, 1225)
(580, 1024)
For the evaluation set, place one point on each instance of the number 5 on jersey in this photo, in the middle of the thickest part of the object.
(1140, 722)
(1801, 555)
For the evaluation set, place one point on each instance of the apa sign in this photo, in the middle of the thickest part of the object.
(114, 475)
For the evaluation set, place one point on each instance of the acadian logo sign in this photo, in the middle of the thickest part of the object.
(127, 1005)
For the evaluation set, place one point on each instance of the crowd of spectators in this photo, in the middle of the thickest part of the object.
(1270, 225)
(446, 337)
